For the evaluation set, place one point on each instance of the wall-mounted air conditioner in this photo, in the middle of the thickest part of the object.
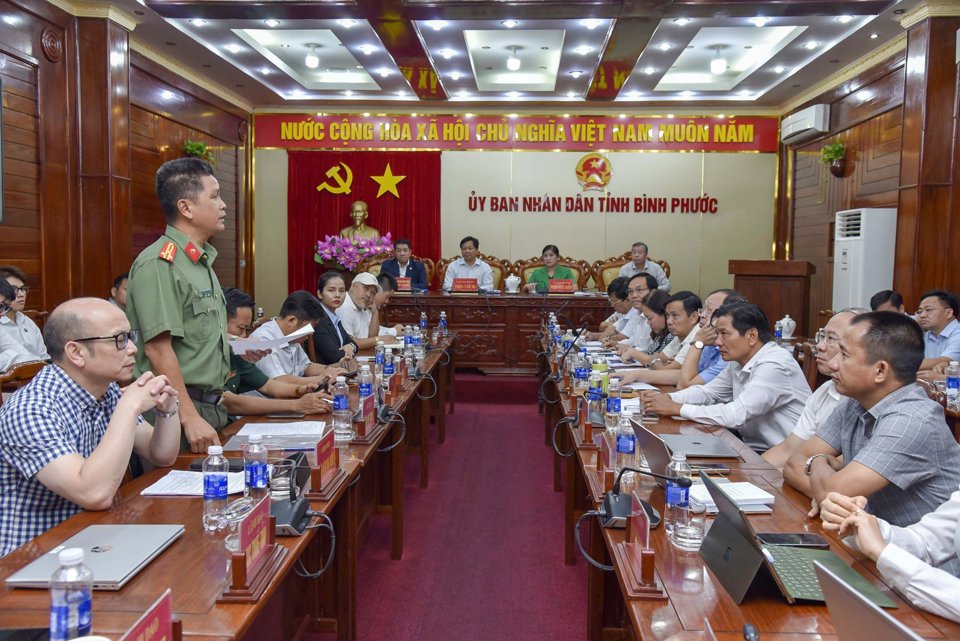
(805, 124)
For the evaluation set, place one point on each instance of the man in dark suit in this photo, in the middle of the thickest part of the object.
(403, 267)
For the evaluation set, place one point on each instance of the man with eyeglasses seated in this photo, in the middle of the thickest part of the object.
(937, 317)
(682, 313)
(21, 333)
(895, 446)
(703, 361)
(10, 350)
(760, 394)
(825, 399)
(617, 295)
(66, 437)
(633, 330)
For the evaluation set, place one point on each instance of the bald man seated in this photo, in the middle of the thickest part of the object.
(66, 438)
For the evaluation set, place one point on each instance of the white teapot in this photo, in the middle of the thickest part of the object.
(513, 283)
(788, 326)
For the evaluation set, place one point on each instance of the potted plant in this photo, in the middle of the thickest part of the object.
(833, 155)
(198, 149)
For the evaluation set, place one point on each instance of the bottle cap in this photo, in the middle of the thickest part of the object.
(341, 379)
(389, 351)
(626, 414)
(364, 368)
(255, 438)
(214, 450)
(679, 456)
(70, 556)
(379, 343)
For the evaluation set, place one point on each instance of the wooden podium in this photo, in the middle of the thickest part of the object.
(779, 287)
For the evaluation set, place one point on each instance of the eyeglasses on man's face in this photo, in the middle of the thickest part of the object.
(23, 289)
(120, 340)
(828, 338)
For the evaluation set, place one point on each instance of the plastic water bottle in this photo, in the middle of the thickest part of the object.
(443, 324)
(71, 597)
(953, 386)
(255, 476)
(582, 371)
(677, 497)
(423, 322)
(365, 383)
(626, 447)
(407, 336)
(342, 417)
(778, 332)
(612, 415)
(595, 396)
(567, 340)
(215, 469)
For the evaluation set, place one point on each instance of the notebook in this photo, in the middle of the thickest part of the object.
(114, 554)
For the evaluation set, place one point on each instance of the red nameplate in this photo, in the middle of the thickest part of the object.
(404, 284)
(465, 285)
(328, 458)
(369, 420)
(638, 523)
(156, 624)
(562, 286)
(254, 534)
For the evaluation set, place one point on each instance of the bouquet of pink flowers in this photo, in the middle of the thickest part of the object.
(348, 253)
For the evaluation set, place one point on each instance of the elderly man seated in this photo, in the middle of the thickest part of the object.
(760, 394)
(896, 448)
(66, 438)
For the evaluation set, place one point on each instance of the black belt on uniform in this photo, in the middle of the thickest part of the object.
(213, 397)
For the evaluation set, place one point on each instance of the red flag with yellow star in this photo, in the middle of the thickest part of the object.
(401, 189)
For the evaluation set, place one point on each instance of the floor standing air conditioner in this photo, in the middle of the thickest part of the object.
(863, 255)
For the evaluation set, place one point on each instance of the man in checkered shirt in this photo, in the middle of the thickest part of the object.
(66, 438)
(896, 447)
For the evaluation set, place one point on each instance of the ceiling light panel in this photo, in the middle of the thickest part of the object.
(539, 57)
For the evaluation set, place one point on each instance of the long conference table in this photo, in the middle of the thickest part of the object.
(693, 592)
(196, 565)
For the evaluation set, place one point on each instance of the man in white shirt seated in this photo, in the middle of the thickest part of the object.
(761, 392)
(290, 363)
(824, 400)
(620, 302)
(640, 263)
(683, 321)
(10, 350)
(21, 333)
(469, 266)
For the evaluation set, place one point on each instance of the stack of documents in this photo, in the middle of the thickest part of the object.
(296, 435)
(186, 483)
(243, 345)
(748, 496)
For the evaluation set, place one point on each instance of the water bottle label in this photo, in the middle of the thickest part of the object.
(341, 403)
(70, 622)
(378, 359)
(613, 405)
(255, 474)
(407, 340)
(582, 372)
(415, 341)
(567, 342)
(214, 486)
(626, 443)
(388, 369)
(677, 496)
(594, 393)
(365, 389)
(953, 382)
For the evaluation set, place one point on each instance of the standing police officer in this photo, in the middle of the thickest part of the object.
(175, 299)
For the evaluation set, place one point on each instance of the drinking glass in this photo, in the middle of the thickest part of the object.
(688, 534)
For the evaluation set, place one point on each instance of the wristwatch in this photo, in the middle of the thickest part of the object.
(698, 344)
(809, 463)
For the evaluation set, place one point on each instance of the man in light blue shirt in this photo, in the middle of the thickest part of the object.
(469, 265)
(937, 316)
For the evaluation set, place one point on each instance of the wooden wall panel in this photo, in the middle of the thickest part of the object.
(155, 139)
(871, 180)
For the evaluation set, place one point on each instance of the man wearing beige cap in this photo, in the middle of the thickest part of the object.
(357, 312)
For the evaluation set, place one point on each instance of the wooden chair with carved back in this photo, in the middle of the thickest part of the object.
(19, 375)
(823, 317)
(38, 317)
(500, 268)
(806, 355)
(581, 269)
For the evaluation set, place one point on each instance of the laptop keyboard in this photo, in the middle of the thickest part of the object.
(796, 572)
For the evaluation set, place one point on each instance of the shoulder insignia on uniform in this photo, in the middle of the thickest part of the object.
(168, 251)
(193, 253)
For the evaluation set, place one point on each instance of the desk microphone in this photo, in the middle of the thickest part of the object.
(617, 507)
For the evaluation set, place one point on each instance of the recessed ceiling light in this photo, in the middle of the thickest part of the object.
(583, 50)
(284, 45)
(265, 71)
(401, 93)
(746, 92)
(296, 93)
(446, 54)
(509, 24)
(779, 69)
(513, 62)
(571, 94)
(635, 94)
(347, 93)
(591, 23)
(844, 19)
(874, 36)
(456, 75)
(681, 22)
(272, 23)
(759, 21)
(687, 94)
(166, 94)
(664, 46)
(669, 115)
(233, 48)
(623, 115)
(384, 72)
(367, 49)
(463, 93)
(11, 20)
(347, 22)
(198, 22)
(513, 94)
(813, 44)
(366, 114)
(649, 71)
(436, 25)
(312, 60)
(566, 115)
(720, 116)
(576, 74)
